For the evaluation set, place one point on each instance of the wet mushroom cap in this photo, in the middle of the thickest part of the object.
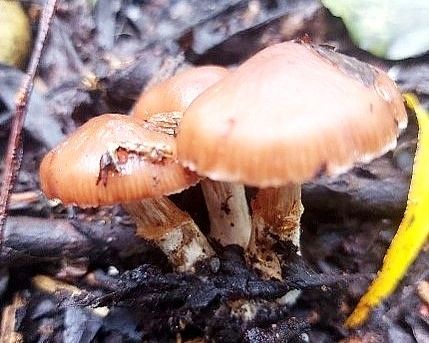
(79, 171)
(176, 93)
(289, 113)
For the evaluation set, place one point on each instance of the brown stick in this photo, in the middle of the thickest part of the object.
(29, 240)
(8, 319)
(14, 148)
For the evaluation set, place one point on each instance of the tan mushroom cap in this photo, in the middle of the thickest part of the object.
(289, 113)
(176, 93)
(146, 166)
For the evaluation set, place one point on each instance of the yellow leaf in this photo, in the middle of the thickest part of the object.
(15, 35)
(413, 230)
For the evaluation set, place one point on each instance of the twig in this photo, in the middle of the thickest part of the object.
(24, 199)
(98, 239)
(8, 334)
(14, 148)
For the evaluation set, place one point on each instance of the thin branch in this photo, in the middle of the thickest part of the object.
(14, 148)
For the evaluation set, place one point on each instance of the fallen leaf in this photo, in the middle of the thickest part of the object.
(412, 232)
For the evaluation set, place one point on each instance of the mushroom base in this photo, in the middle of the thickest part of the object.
(275, 219)
(172, 230)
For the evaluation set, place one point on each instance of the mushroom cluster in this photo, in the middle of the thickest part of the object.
(290, 113)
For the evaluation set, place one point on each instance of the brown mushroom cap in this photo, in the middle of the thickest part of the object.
(147, 165)
(289, 113)
(177, 93)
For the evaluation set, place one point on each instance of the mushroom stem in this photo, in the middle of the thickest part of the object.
(228, 211)
(276, 216)
(172, 230)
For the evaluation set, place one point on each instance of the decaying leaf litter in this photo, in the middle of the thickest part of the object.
(97, 60)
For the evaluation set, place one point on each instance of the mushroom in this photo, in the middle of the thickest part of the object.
(163, 106)
(115, 159)
(290, 113)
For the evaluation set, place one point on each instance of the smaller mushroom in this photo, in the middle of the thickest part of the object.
(163, 106)
(288, 114)
(115, 159)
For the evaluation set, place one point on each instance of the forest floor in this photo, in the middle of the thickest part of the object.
(78, 275)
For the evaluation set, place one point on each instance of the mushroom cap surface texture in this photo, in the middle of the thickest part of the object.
(291, 112)
(176, 93)
(81, 170)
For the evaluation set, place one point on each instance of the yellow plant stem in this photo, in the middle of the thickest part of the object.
(413, 230)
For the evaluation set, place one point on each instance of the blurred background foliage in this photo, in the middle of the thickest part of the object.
(392, 29)
(15, 34)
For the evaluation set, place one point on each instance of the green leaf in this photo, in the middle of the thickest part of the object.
(394, 29)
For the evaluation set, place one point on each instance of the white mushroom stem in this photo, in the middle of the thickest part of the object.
(172, 230)
(228, 212)
(276, 214)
